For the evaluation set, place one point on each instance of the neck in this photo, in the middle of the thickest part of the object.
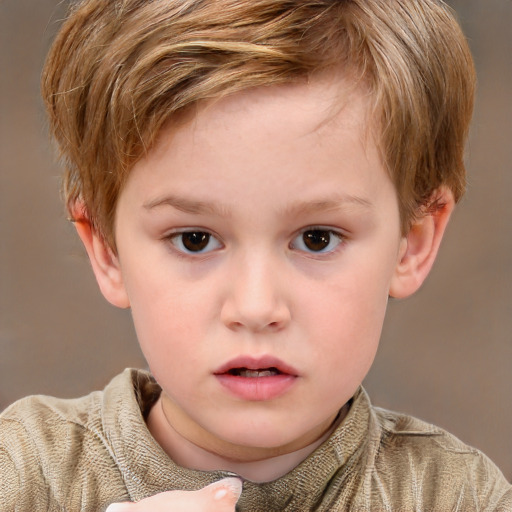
(254, 464)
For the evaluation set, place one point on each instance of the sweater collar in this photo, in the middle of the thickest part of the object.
(147, 469)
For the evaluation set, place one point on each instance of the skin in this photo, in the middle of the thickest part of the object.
(258, 174)
(220, 496)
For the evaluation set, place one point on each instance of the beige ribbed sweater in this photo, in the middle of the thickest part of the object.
(83, 454)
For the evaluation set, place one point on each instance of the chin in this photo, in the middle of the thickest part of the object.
(266, 437)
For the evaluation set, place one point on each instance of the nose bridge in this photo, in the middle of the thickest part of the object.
(257, 299)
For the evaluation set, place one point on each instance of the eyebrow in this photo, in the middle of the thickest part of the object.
(196, 207)
(187, 205)
(336, 202)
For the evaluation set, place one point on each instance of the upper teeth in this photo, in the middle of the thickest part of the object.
(257, 373)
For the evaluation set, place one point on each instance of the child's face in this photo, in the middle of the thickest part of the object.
(262, 235)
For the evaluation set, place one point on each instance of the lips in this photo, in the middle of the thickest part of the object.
(261, 364)
(256, 379)
(245, 372)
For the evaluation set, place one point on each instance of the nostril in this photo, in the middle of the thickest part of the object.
(256, 315)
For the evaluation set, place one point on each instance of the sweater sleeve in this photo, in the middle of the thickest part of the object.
(504, 504)
(22, 485)
(51, 460)
(498, 497)
(9, 482)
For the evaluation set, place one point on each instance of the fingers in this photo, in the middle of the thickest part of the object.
(227, 490)
(220, 496)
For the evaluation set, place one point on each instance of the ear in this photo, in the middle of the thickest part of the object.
(105, 264)
(418, 249)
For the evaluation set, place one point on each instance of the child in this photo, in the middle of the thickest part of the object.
(254, 179)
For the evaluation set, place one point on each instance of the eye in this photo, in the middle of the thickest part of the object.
(317, 240)
(194, 242)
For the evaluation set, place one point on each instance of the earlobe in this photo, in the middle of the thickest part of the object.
(105, 264)
(418, 249)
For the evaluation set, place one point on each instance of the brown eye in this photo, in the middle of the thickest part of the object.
(317, 240)
(194, 242)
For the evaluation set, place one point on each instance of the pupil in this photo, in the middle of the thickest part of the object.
(317, 240)
(195, 241)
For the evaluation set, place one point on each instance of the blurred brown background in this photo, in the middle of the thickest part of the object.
(446, 354)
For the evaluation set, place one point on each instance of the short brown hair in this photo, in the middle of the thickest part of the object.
(119, 70)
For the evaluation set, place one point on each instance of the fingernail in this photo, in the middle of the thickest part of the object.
(227, 486)
(116, 507)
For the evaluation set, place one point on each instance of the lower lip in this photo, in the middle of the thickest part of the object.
(257, 388)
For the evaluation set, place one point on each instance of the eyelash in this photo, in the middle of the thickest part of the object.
(334, 237)
(177, 240)
(316, 234)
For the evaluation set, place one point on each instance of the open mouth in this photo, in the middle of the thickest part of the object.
(249, 373)
(257, 378)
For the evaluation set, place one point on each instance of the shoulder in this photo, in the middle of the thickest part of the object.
(416, 457)
(40, 440)
(49, 445)
(35, 424)
(41, 426)
(38, 410)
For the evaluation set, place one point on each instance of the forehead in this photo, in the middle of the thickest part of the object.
(296, 137)
(310, 106)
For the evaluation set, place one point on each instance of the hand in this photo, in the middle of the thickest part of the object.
(220, 496)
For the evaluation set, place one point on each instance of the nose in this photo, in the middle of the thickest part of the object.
(256, 298)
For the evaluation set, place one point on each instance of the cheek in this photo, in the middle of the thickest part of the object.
(161, 297)
(171, 318)
(159, 318)
(347, 316)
